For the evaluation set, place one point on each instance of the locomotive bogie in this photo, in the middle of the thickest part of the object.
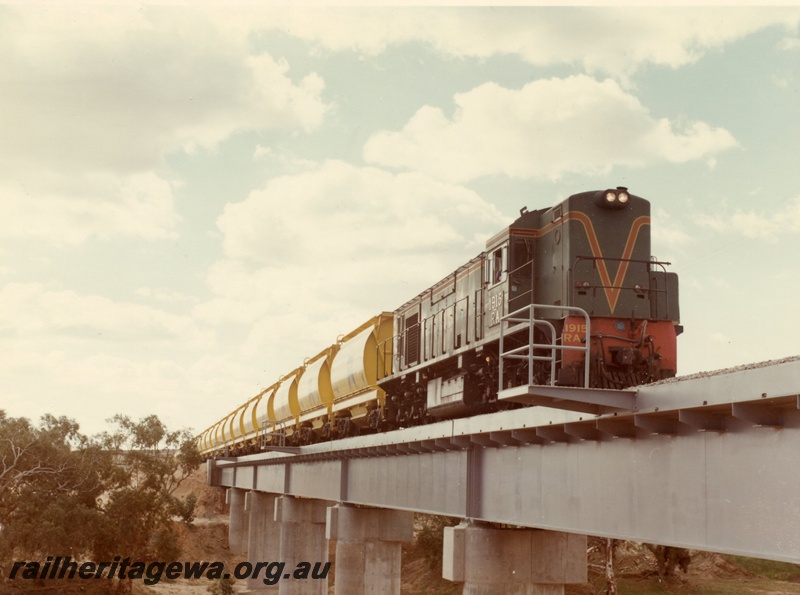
(355, 408)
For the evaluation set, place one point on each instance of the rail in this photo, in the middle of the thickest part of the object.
(525, 319)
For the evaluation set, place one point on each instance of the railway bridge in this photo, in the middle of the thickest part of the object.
(707, 462)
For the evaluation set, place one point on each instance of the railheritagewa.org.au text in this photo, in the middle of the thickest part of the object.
(64, 567)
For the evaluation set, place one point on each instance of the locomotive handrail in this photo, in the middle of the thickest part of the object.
(512, 354)
(650, 265)
(430, 347)
(389, 355)
(522, 267)
(593, 259)
(527, 318)
(663, 263)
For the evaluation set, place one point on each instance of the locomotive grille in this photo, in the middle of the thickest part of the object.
(412, 340)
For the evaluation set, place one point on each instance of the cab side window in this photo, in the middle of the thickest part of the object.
(521, 259)
(496, 266)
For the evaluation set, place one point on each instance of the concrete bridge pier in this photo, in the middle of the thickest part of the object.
(263, 541)
(302, 540)
(368, 548)
(237, 525)
(492, 561)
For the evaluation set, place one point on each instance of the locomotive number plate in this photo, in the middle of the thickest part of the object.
(574, 333)
(496, 308)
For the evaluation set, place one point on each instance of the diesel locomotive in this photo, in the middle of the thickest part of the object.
(567, 296)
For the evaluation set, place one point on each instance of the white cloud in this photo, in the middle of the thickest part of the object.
(115, 87)
(31, 310)
(760, 225)
(544, 130)
(790, 43)
(89, 357)
(80, 207)
(718, 337)
(313, 255)
(613, 40)
(164, 296)
(342, 213)
(94, 96)
(669, 237)
(40, 379)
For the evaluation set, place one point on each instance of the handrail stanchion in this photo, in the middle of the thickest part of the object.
(500, 351)
(553, 347)
(531, 316)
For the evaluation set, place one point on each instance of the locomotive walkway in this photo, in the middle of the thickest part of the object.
(707, 462)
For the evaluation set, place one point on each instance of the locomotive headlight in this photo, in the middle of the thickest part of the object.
(613, 198)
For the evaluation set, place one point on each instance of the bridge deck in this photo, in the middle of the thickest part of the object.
(707, 462)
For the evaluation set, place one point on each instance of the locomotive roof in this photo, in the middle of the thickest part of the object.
(533, 220)
(528, 220)
(448, 279)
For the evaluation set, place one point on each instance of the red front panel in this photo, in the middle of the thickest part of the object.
(653, 338)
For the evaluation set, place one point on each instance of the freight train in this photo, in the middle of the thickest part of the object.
(567, 296)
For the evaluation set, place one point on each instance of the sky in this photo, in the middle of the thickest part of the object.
(195, 199)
